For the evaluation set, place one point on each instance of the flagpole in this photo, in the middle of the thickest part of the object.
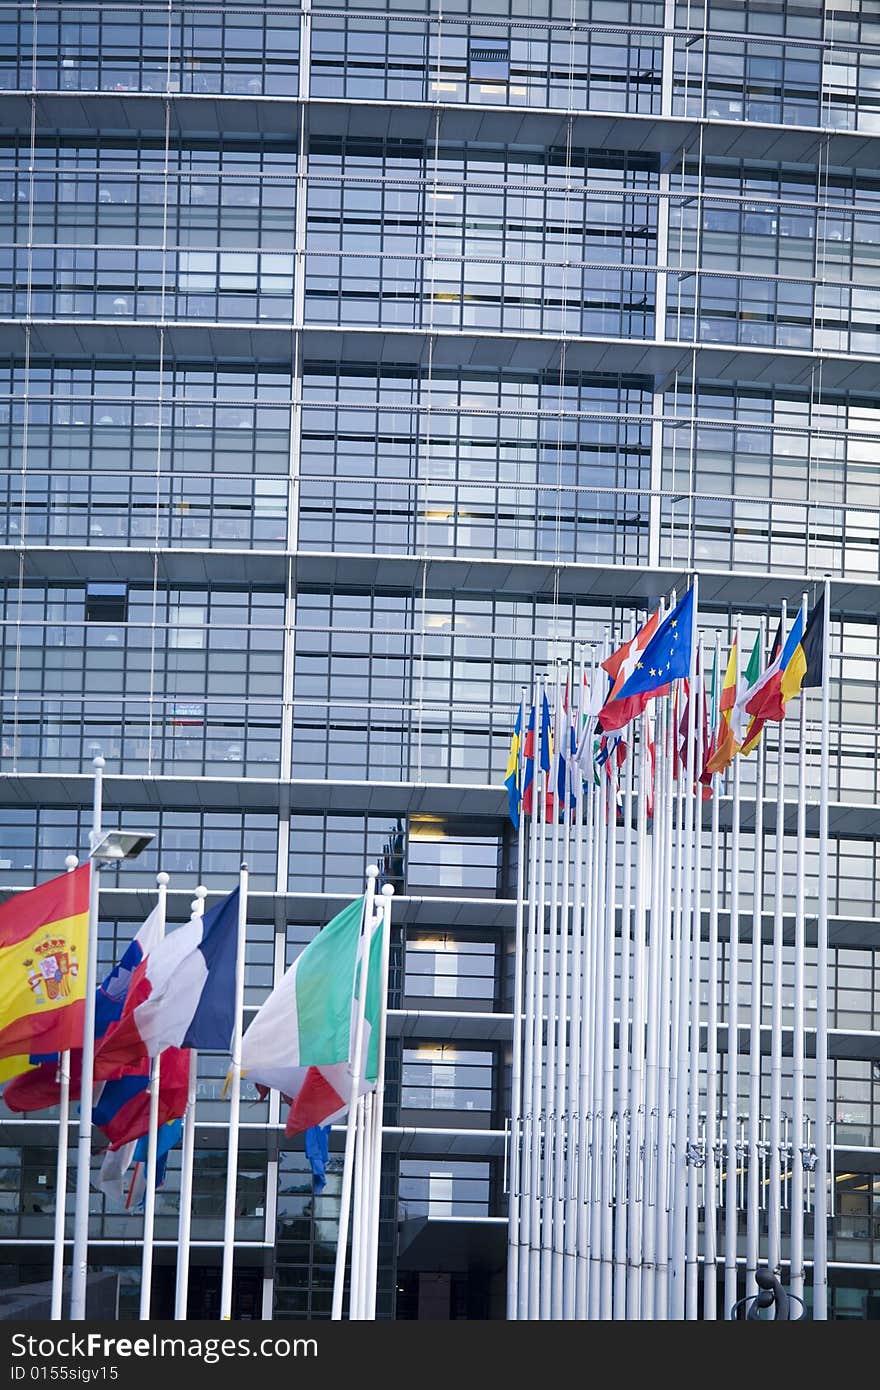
(80, 1262)
(798, 1134)
(670, 928)
(561, 1105)
(710, 1217)
(600, 944)
(820, 1216)
(697, 752)
(355, 1290)
(187, 1162)
(152, 1138)
(516, 1106)
(753, 1215)
(379, 1107)
(689, 893)
(660, 832)
(536, 1301)
(569, 1309)
(70, 864)
(732, 1087)
(774, 1228)
(372, 874)
(531, 1063)
(234, 1106)
(637, 1047)
(608, 926)
(548, 1203)
(584, 1168)
(625, 1043)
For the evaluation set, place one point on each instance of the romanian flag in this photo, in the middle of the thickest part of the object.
(768, 698)
(43, 940)
(511, 777)
(724, 745)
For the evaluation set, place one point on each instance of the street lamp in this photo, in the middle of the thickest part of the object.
(121, 844)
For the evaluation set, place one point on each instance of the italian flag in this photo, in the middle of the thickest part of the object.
(301, 1041)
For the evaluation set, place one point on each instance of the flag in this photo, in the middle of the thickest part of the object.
(665, 658)
(724, 744)
(181, 995)
(117, 1162)
(652, 763)
(755, 727)
(11, 1067)
(528, 780)
(43, 945)
(317, 1152)
(122, 1109)
(620, 665)
(300, 1042)
(766, 700)
(813, 647)
(805, 663)
(740, 722)
(511, 778)
(40, 1087)
(592, 701)
(565, 753)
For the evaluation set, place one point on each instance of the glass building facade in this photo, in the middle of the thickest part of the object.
(356, 361)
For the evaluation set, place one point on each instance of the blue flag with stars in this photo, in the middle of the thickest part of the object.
(667, 656)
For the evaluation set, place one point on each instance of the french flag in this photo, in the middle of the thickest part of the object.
(181, 995)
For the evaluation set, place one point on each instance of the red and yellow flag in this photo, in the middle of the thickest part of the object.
(43, 941)
(725, 746)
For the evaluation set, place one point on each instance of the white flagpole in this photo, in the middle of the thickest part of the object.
(774, 1227)
(635, 1179)
(548, 1202)
(234, 1105)
(516, 1078)
(585, 1050)
(569, 1299)
(70, 864)
(710, 1219)
(600, 944)
(372, 873)
(798, 1131)
(187, 1162)
(688, 773)
(753, 1212)
(609, 932)
(529, 1235)
(670, 929)
(80, 1263)
(660, 836)
(626, 1041)
(356, 1270)
(692, 1272)
(820, 1217)
(561, 1105)
(730, 1191)
(539, 1133)
(152, 1138)
(379, 1108)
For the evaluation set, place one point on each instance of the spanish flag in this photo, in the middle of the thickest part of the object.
(43, 940)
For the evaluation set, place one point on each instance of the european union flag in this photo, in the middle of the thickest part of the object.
(667, 656)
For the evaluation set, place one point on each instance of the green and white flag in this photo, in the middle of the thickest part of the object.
(301, 1041)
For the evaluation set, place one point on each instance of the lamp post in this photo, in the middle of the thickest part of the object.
(109, 848)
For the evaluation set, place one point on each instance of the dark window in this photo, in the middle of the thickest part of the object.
(489, 60)
(106, 603)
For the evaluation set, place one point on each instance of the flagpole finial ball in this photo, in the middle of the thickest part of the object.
(388, 890)
(99, 761)
(71, 862)
(201, 891)
(372, 871)
(163, 879)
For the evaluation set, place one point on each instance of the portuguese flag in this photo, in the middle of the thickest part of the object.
(43, 939)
